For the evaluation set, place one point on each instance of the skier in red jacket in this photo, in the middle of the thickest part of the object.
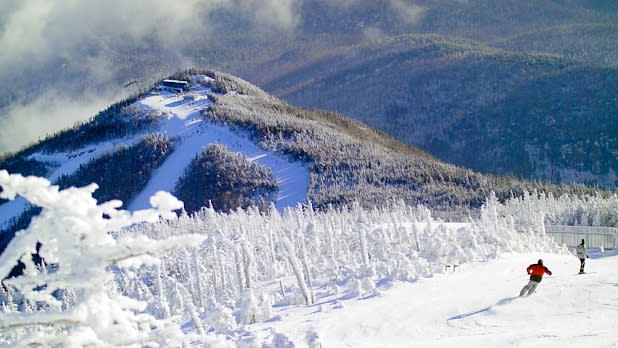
(536, 272)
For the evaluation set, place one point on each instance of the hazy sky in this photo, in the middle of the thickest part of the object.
(36, 29)
(37, 33)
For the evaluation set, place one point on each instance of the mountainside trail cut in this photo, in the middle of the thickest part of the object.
(184, 119)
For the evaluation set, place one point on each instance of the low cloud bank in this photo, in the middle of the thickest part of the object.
(48, 114)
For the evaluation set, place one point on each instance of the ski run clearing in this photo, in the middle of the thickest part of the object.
(185, 120)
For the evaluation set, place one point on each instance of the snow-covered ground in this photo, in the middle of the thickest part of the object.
(475, 306)
(365, 281)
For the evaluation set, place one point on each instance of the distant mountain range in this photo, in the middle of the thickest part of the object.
(226, 143)
(533, 115)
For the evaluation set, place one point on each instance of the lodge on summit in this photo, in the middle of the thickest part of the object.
(174, 85)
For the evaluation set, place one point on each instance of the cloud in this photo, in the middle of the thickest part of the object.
(38, 28)
(48, 114)
(373, 34)
(60, 48)
(75, 52)
(409, 12)
(282, 14)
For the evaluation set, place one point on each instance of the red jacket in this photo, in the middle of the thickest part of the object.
(537, 271)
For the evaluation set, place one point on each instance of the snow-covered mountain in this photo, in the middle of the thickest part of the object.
(225, 142)
(177, 116)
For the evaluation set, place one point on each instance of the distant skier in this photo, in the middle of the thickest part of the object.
(536, 272)
(582, 254)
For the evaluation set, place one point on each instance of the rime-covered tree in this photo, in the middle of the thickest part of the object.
(77, 236)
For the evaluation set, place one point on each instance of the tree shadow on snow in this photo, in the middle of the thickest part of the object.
(482, 310)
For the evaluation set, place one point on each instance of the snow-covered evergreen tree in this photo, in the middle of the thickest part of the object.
(77, 237)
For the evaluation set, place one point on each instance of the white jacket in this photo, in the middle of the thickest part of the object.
(581, 251)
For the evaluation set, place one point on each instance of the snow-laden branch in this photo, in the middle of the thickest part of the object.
(77, 236)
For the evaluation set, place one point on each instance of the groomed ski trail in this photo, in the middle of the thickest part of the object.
(476, 306)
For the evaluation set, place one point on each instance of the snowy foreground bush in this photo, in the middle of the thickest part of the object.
(135, 280)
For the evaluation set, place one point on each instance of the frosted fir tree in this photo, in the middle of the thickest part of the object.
(77, 235)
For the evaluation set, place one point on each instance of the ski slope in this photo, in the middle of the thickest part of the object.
(475, 306)
(184, 120)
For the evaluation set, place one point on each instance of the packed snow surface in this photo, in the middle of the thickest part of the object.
(478, 305)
